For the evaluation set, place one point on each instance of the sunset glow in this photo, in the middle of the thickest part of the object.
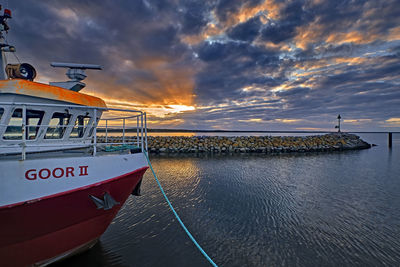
(227, 64)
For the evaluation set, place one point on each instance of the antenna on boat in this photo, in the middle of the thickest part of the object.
(76, 73)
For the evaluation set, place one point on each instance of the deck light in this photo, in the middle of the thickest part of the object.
(21, 71)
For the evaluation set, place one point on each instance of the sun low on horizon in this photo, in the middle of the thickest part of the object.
(226, 64)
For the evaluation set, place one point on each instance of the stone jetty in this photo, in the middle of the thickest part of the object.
(250, 144)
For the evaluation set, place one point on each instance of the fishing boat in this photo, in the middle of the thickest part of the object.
(60, 184)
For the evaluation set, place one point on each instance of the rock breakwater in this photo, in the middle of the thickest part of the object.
(250, 144)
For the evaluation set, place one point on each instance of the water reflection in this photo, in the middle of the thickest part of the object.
(312, 209)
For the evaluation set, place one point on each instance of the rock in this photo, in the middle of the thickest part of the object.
(248, 144)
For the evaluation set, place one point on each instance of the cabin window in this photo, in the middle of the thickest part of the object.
(93, 126)
(33, 120)
(57, 125)
(14, 128)
(1, 112)
(80, 126)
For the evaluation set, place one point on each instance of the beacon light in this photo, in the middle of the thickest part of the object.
(7, 13)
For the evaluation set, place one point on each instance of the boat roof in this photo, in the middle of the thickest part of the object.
(29, 88)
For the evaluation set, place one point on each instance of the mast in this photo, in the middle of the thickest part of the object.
(3, 63)
(3, 45)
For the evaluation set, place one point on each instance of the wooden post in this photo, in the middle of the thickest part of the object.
(390, 140)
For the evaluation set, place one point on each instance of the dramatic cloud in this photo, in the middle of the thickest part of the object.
(226, 64)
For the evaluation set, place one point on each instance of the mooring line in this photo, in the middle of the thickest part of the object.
(177, 216)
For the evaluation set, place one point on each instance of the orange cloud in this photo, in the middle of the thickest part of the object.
(287, 120)
(308, 34)
(171, 122)
(350, 60)
(173, 86)
(193, 39)
(315, 32)
(167, 91)
(269, 9)
(166, 84)
(316, 67)
(393, 121)
(210, 31)
(271, 46)
(312, 65)
(357, 121)
(351, 37)
(251, 120)
(394, 34)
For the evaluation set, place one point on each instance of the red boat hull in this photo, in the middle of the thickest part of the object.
(40, 230)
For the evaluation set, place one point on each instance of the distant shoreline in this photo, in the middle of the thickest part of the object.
(130, 130)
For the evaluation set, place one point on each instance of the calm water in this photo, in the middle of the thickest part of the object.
(327, 209)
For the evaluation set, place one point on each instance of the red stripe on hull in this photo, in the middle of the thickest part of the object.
(42, 229)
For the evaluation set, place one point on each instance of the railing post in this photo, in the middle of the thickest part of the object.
(106, 130)
(123, 131)
(137, 130)
(145, 130)
(95, 132)
(141, 126)
(390, 140)
(23, 129)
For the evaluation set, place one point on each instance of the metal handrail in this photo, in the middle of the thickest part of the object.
(73, 106)
(120, 118)
(141, 139)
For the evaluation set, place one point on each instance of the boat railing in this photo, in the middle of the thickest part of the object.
(132, 125)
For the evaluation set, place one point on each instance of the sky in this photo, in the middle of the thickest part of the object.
(225, 64)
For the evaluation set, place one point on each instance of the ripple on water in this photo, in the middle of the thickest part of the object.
(327, 209)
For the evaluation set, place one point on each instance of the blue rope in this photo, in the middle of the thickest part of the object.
(177, 216)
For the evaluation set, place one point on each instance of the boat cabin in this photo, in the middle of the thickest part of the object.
(36, 117)
(53, 117)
